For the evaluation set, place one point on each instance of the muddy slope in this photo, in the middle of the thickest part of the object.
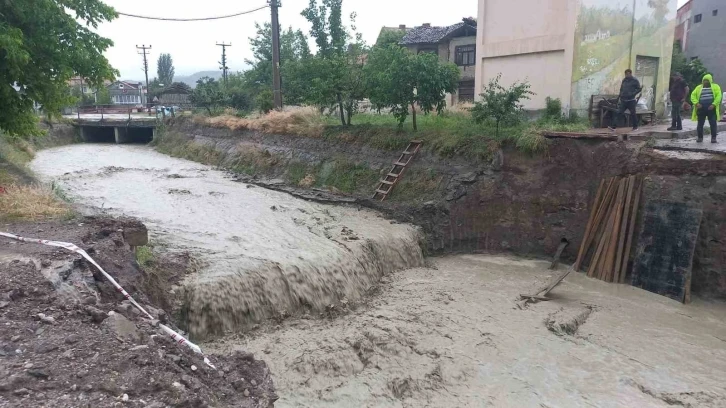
(69, 339)
(515, 202)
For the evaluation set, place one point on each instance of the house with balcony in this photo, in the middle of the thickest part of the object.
(455, 43)
(127, 93)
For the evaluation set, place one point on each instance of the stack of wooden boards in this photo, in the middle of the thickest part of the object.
(609, 232)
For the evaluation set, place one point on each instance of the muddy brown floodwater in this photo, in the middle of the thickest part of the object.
(448, 334)
(266, 253)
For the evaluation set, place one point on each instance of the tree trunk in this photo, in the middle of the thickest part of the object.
(413, 115)
(340, 108)
(497, 134)
(349, 113)
(209, 111)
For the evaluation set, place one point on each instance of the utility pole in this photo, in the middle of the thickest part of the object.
(143, 52)
(224, 66)
(276, 82)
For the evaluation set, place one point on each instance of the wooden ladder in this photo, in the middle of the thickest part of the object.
(399, 167)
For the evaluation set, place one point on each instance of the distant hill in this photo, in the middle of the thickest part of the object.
(192, 79)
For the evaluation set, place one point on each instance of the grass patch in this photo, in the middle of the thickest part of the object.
(451, 133)
(417, 185)
(348, 177)
(31, 203)
(144, 256)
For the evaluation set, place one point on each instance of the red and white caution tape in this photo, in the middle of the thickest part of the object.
(181, 340)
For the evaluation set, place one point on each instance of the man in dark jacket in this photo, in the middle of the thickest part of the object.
(678, 92)
(629, 91)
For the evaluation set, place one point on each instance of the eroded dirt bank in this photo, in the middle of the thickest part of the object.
(512, 202)
(68, 339)
(264, 253)
(450, 335)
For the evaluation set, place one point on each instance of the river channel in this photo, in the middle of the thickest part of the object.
(264, 252)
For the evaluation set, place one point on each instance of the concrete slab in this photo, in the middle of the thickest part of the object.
(690, 145)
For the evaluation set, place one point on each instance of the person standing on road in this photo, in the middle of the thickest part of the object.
(629, 91)
(706, 99)
(678, 92)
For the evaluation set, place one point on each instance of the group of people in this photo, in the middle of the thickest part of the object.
(705, 101)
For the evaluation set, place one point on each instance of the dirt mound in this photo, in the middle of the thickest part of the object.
(68, 339)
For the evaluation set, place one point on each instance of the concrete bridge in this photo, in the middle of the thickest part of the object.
(115, 128)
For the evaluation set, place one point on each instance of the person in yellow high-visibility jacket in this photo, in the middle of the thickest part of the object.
(706, 99)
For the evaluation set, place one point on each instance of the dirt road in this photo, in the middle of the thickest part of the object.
(451, 336)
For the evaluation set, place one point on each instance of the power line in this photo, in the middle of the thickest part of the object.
(191, 19)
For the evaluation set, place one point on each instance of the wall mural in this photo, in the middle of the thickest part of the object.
(608, 37)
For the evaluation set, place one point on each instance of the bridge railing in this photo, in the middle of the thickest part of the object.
(114, 109)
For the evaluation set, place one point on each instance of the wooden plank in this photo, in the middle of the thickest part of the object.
(623, 229)
(580, 135)
(631, 230)
(600, 219)
(590, 220)
(387, 182)
(560, 248)
(598, 259)
(615, 234)
(399, 163)
(596, 223)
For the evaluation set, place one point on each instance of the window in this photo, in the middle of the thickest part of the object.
(432, 50)
(694, 58)
(714, 13)
(466, 91)
(697, 19)
(465, 55)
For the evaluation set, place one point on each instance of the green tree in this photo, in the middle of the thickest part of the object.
(103, 97)
(692, 71)
(399, 79)
(80, 98)
(208, 94)
(338, 62)
(293, 46)
(43, 43)
(165, 69)
(499, 103)
(390, 37)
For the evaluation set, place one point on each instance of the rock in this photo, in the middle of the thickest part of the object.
(136, 235)
(191, 382)
(67, 354)
(45, 263)
(96, 314)
(46, 319)
(246, 392)
(28, 366)
(39, 374)
(72, 339)
(498, 160)
(21, 391)
(253, 382)
(238, 384)
(455, 194)
(125, 398)
(16, 294)
(177, 385)
(194, 368)
(466, 177)
(15, 339)
(174, 358)
(46, 347)
(137, 348)
(4, 304)
(121, 327)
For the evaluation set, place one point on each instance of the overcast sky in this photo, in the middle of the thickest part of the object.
(192, 44)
